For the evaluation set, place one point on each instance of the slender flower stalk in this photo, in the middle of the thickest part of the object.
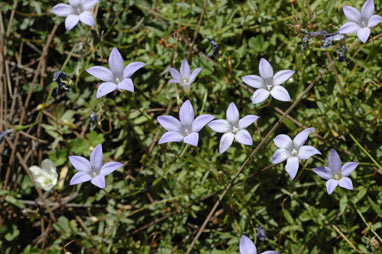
(184, 78)
(248, 247)
(46, 176)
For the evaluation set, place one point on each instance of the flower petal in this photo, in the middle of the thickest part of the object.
(80, 177)
(170, 123)
(87, 18)
(345, 182)
(374, 20)
(260, 95)
(305, 152)
(352, 14)
(247, 246)
(200, 121)
(186, 114)
(367, 10)
(62, 10)
(265, 69)
(71, 21)
(283, 141)
(116, 63)
(88, 4)
(35, 170)
(99, 181)
(280, 155)
(253, 81)
(126, 84)
(101, 73)
(225, 142)
(109, 167)
(192, 139)
(324, 172)
(80, 163)
(220, 125)
(247, 121)
(96, 157)
(194, 74)
(280, 93)
(171, 136)
(232, 113)
(331, 184)
(131, 68)
(301, 138)
(49, 167)
(175, 75)
(363, 34)
(292, 166)
(348, 168)
(244, 137)
(282, 76)
(349, 28)
(105, 88)
(334, 161)
(74, 2)
(185, 69)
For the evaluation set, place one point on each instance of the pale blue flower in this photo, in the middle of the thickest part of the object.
(248, 247)
(184, 77)
(335, 174)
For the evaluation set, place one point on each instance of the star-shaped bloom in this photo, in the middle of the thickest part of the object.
(117, 77)
(233, 128)
(248, 247)
(293, 151)
(184, 77)
(186, 129)
(335, 174)
(75, 11)
(360, 22)
(94, 170)
(267, 83)
(46, 176)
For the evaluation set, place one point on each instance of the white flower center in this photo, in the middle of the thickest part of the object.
(185, 81)
(363, 22)
(337, 175)
(294, 152)
(94, 173)
(235, 129)
(77, 9)
(187, 131)
(268, 83)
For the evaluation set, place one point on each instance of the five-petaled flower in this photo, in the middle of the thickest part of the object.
(267, 83)
(248, 247)
(94, 170)
(233, 128)
(184, 77)
(186, 129)
(335, 174)
(46, 176)
(75, 11)
(293, 151)
(360, 22)
(118, 77)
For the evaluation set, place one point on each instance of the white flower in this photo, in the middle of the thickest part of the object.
(45, 177)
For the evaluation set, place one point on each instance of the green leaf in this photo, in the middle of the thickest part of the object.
(375, 206)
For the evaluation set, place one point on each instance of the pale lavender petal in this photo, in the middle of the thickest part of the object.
(305, 152)
(105, 88)
(244, 137)
(126, 84)
(96, 157)
(265, 69)
(88, 4)
(71, 21)
(226, 141)
(349, 28)
(131, 68)
(192, 139)
(87, 18)
(280, 93)
(109, 167)
(324, 172)
(352, 14)
(193, 75)
(334, 161)
(170, 123)
(367, 10)
(345, 182)
(374, 20)
(80, 163)
(253, 81)
(220, 125)
(280, 155)
(247, 121)
(171, 136)
(62, 10)
(101, 73)
(185, 71)
(74, 2)
(348, 168)
(247, 246)
(200, 121)
(186, 114)
(282, 76)
(232, 113)
(116, 63)
(292, 166)
(283, 141)
(175, 75)
(363, 34)
(260, 95)
(80, 177)
(331, 184)
(301, 138)
(99, 181)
